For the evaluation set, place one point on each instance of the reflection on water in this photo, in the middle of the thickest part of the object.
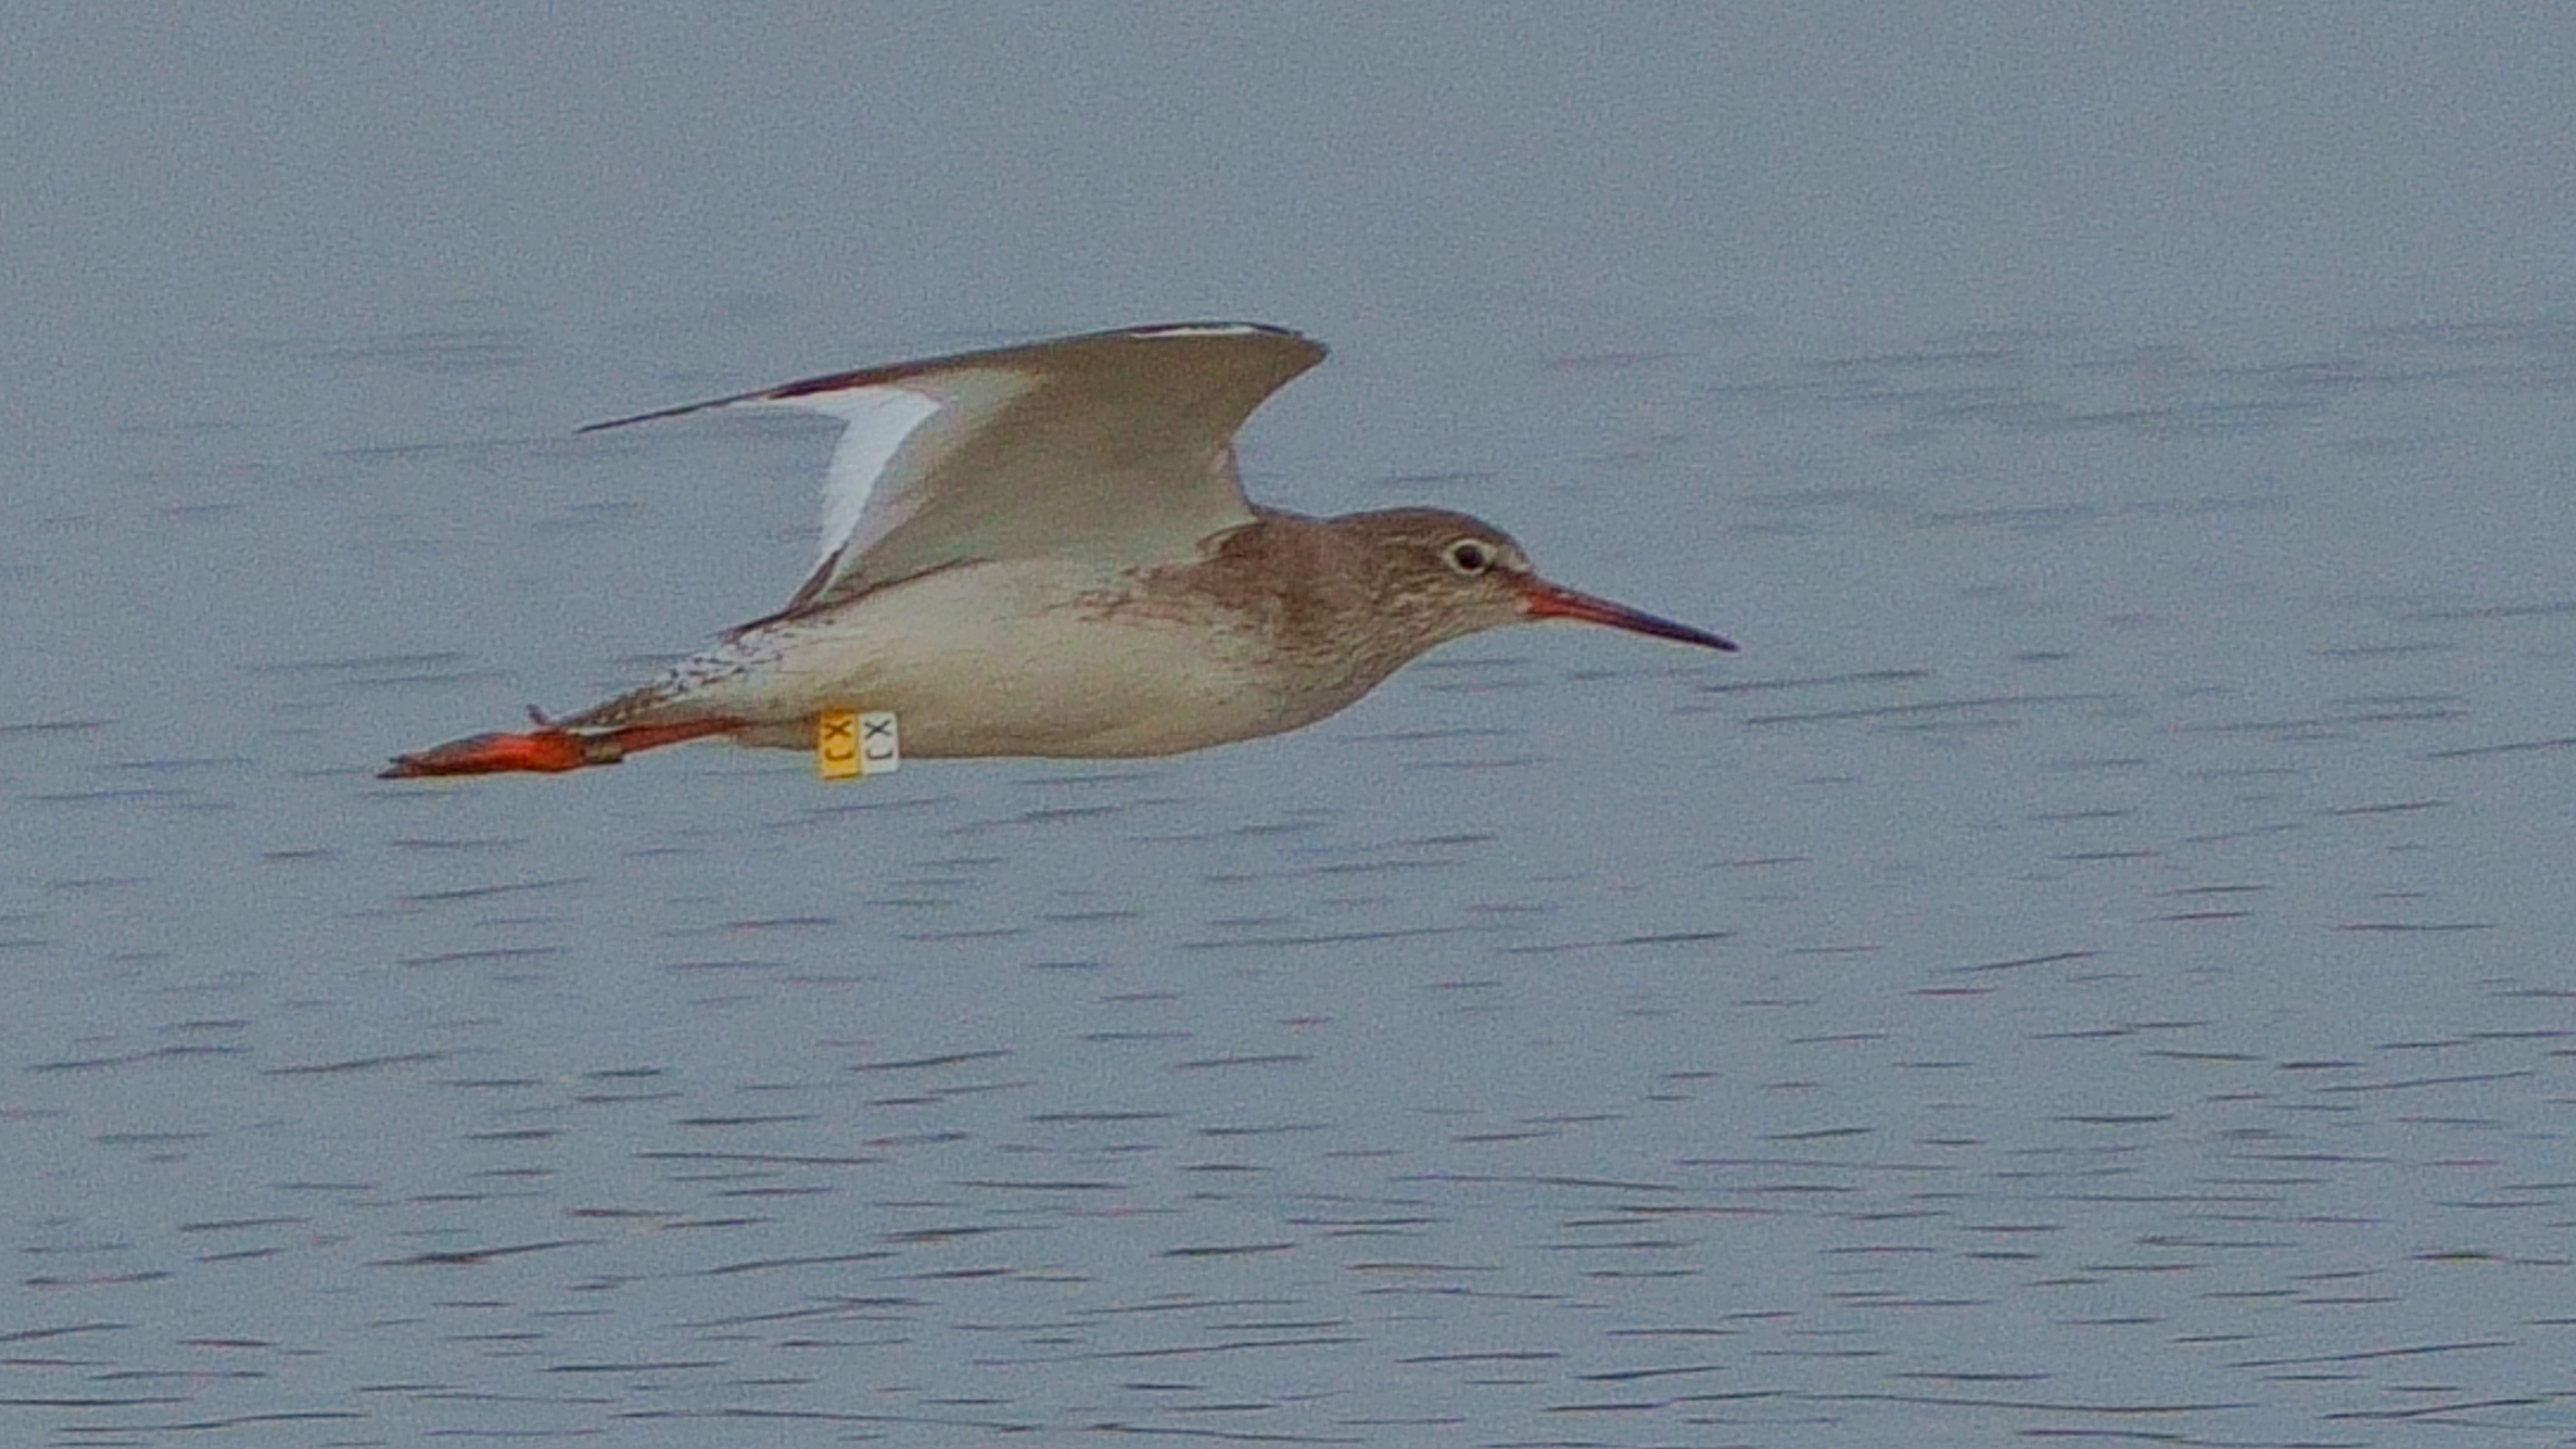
(2096, 968)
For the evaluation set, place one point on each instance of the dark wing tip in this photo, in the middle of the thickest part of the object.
(660, 413)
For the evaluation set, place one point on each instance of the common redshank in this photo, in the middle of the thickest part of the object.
(1046, 550)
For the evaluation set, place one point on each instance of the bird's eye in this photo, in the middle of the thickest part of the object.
(1469, 556)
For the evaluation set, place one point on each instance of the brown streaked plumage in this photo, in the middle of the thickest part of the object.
(1044, 550)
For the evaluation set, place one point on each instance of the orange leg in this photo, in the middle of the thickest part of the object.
(547, 749)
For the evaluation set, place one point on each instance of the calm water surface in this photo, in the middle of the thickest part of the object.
(2096, 968)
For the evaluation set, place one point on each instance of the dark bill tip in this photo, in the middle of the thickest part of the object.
(1543, 600)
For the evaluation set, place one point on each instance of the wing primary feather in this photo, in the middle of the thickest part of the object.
(658, 414)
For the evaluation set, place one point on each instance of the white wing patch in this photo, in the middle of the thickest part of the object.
(1205, 329)
(876, 421)
(887, 464)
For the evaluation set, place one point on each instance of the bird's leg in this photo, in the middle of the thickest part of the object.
(547, 749)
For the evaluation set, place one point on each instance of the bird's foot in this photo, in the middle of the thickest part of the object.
(548, 749)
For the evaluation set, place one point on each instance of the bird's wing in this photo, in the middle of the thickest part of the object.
(1114, 446)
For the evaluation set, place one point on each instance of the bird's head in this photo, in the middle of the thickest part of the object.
(1449, 575)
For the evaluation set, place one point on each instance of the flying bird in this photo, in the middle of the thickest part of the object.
(1046, 550)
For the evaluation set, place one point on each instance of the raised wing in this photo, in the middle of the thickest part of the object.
(1114, 446)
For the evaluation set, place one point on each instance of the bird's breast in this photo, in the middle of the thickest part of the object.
(1036, 657)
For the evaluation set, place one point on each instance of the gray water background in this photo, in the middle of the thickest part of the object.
(2096, 967)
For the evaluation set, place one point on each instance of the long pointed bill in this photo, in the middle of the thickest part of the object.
(1543, 600)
